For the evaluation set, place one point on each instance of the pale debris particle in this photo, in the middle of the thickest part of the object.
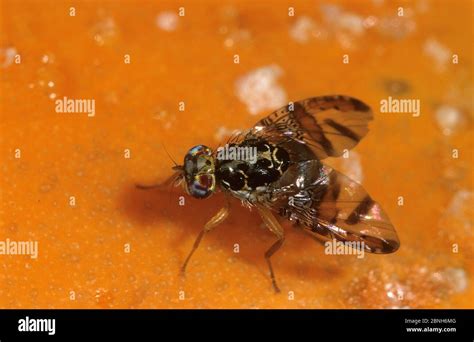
(163, 115)
(396, 27)
(237, 36)
(449, 119)
(458, 203)
(345, 26)
(370, 22)
(343, 20)
(330, 12)
(395, 291)
(461, 207)
(304, 29)
(231, 27)
(352, 167)
(454, 172)
(455, 225)
(7, 56)
(259, 89)
(453, 278)
(352, 23)
(105, 31)
(48, 59)
(457, 278)
(439, 53)
(167, 21)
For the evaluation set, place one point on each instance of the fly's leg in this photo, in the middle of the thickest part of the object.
(171, 180)
(174, 180)
(275, 247)
(211, 224)
(275, 227)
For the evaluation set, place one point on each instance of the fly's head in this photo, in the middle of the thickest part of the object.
(198, 172)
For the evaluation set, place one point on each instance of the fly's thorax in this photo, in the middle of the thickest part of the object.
(199, 172)
(242, 175)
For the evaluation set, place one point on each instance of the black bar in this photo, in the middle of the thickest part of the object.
(376, 325)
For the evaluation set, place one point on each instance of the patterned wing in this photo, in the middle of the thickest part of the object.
(332, 206)
(327, 125)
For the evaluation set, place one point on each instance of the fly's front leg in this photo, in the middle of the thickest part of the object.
(211, 224)
(171, 180)
(275, 227)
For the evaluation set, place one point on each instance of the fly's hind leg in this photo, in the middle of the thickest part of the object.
(211, 224)
(275, 227)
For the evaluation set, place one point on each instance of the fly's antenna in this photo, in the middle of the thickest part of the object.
(170, 181)
(169, 155)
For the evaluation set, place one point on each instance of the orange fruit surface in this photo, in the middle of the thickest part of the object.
(67, 180)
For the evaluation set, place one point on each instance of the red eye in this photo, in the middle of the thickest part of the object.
(205, 181)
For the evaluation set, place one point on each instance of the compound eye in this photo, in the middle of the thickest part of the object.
(202, 186)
